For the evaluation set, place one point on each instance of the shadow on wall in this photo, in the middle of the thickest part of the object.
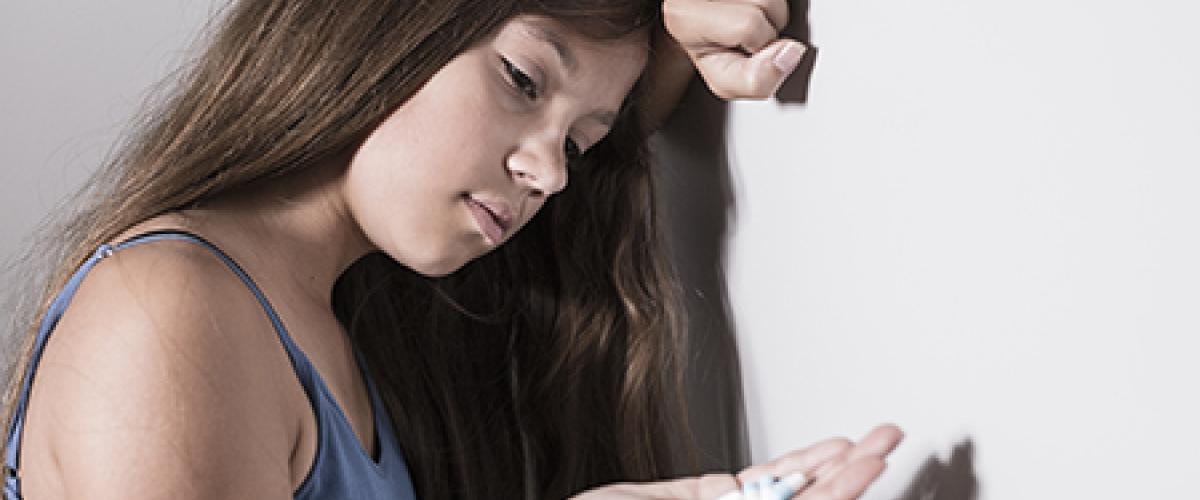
(952, 480)
(697, 202)
(698, 205)
(795, 89)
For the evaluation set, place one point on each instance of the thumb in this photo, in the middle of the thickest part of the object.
(776, 62)
(734, 75)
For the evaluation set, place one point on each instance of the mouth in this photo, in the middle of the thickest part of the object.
(493, 225)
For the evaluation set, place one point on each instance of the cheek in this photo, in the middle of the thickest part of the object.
(411, 214)
(461, 109)
(430, 141)
(404, 184)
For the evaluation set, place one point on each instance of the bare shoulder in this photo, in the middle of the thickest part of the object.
(174, 297)
(160, 382)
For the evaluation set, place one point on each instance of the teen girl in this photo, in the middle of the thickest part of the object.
(395, 249)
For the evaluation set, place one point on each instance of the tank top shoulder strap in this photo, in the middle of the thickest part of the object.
(299, 360)
(300, 363)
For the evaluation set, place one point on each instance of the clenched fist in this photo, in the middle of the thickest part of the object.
(734, 44)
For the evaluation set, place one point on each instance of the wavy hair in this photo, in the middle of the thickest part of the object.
(548, 366)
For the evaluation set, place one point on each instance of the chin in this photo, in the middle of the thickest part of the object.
(435, 267)
(437, 272)
(434, 260)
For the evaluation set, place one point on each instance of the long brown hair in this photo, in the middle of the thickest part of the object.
(545, 367)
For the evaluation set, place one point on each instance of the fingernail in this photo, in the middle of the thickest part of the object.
(788, 57)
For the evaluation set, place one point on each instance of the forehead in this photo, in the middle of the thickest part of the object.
(585, 61)
(568, 41)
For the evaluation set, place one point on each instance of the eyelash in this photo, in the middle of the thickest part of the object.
(528, 87)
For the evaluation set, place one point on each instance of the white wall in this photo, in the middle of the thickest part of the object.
(72, 74)
(979, 227)
(983, 226)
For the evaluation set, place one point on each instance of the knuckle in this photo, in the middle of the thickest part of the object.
(839, 443)
(748, 24)
(764, 6)
(777, 12)
(831, 467)
(842, 444)
(753, 31)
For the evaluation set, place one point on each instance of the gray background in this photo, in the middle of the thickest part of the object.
(977, 221)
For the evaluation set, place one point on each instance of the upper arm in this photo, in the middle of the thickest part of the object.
(149, 389)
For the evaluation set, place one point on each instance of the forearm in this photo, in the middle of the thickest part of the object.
(670, 72)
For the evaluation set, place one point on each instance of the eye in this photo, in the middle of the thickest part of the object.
(526, 85)
(520, 79)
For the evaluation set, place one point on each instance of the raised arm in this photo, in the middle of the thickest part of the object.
(734, 44)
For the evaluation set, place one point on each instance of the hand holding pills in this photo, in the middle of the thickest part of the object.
(769, 487)
(833, 469)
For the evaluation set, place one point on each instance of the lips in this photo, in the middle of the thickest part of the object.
(492, 218)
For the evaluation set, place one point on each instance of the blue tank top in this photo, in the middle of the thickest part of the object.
(341, 469)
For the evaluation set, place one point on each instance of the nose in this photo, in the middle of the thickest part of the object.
(541, 166)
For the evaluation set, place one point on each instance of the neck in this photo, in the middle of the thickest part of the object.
(296, 232)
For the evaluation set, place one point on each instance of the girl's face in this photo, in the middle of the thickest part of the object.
(475, 153)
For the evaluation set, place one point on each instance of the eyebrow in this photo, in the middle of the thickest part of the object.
(551, 37)
(567, 59)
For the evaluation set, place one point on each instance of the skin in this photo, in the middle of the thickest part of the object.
(217, 383)
(735, 47)
(516, 154)
(838, 467)
(210, 407)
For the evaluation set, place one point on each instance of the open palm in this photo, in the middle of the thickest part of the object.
(835, 469)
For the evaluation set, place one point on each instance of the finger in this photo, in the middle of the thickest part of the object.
(775, 10)
(878, 443)
(805, 461)
(789, 485)
(850, 482)
(735, 76)
(881, 441)
(706, 27)
(809, 459)
(803, 471)
(751, 475)
(720, 486)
